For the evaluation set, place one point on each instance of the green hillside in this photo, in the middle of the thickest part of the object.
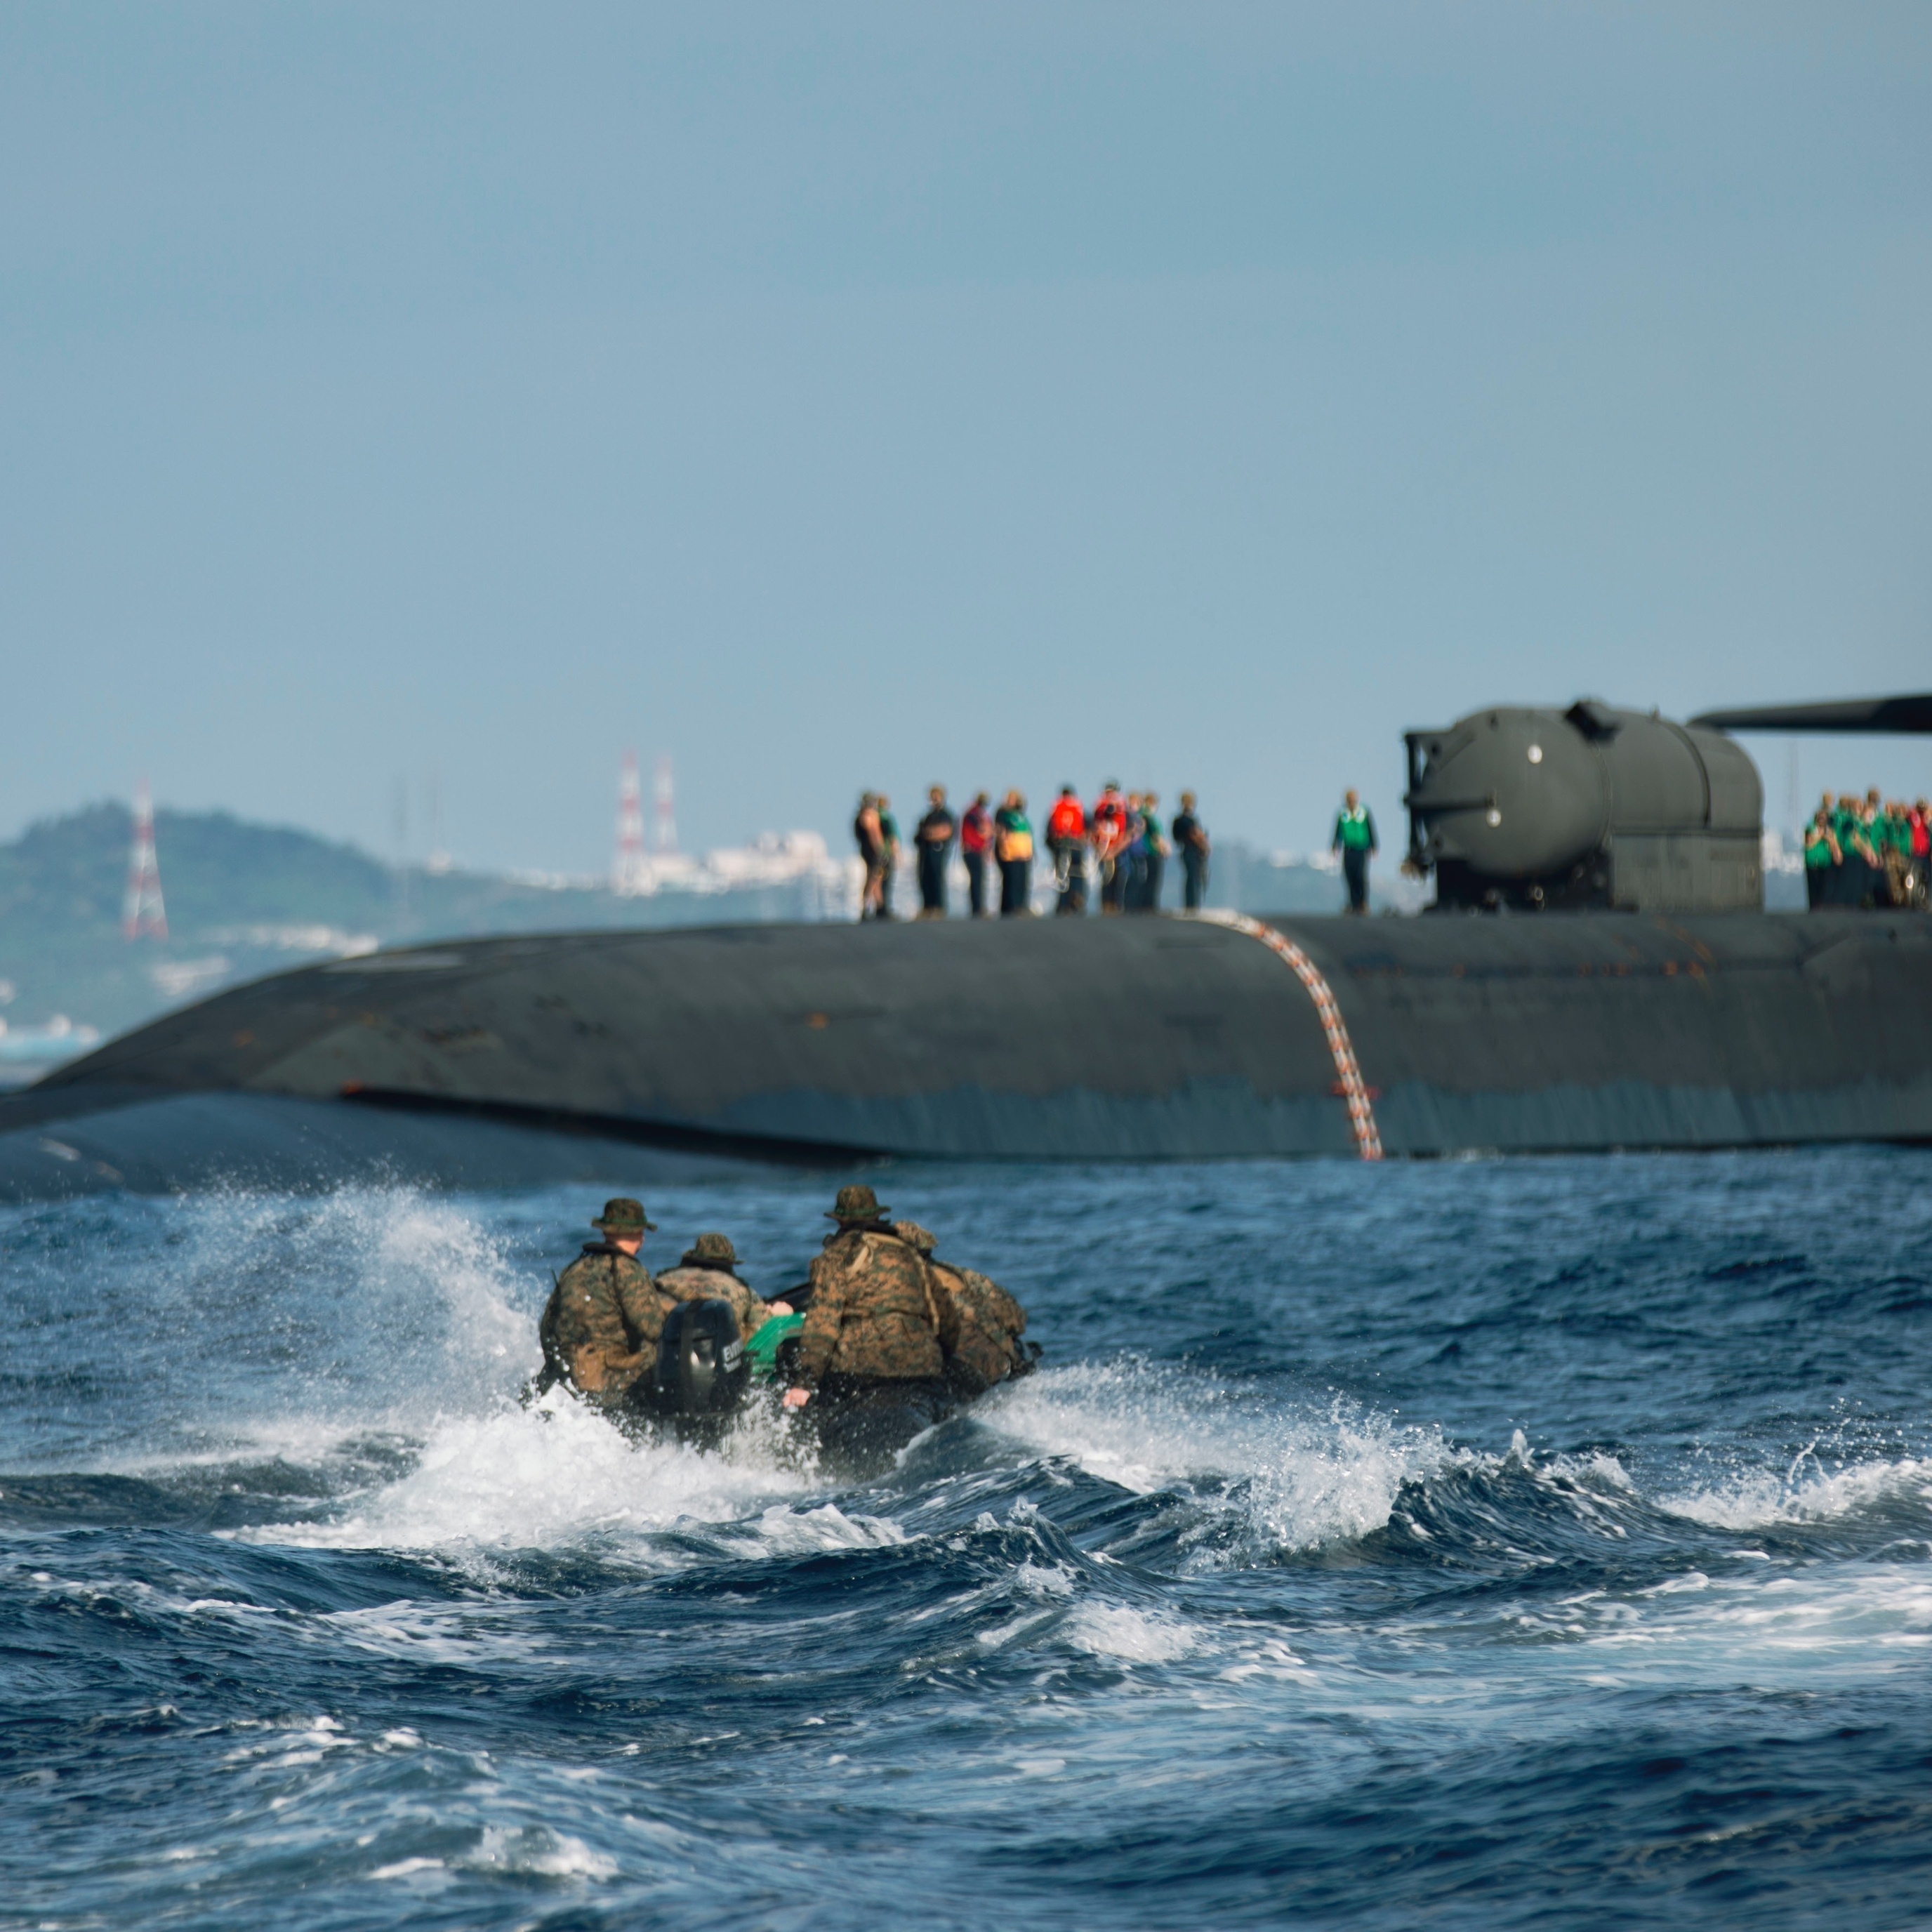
(64, 877)
(244, 900)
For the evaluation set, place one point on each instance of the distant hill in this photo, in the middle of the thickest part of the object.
(244, 900)
(66, 876)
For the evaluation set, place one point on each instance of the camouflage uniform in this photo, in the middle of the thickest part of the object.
(875, 1315)
(705, 1274)
(600, 1329)
(980, 1324)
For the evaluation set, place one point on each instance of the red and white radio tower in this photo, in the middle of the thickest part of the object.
(666, 815)
(629, 872)
(142, 911)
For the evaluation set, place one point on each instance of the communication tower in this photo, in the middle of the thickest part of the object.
(630, 872)
(142, 911)
(438, 861)
(667, 816)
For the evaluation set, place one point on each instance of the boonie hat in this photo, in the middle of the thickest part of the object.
(856, 1205)
(623, 1215)
(710, 1251)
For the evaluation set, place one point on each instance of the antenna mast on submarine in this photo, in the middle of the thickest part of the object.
(142, 911)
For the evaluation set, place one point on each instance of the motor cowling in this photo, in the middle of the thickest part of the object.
(702, 1368)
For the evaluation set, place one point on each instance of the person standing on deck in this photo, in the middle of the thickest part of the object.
(1133, 861)
(1355, 839)
(1066, 841)
(890, 848)
(865, 836)
(1109, 820)
(1190, 841)
(934, 840)
(1012, 846)
(976, 839)
(1153, 853)
(1821, 856)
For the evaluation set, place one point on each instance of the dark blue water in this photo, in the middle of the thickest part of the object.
(1491, 1544)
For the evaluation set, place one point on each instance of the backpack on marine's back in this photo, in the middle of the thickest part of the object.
(987, 1347)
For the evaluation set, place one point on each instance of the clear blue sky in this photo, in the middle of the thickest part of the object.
(837, 395)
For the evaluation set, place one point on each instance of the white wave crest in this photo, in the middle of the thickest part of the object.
(1299, 1477)
(1805, 1493)
(383, 1305)
(556, 1475)
(1121, 1631)
(1779, 1627)
(536, 1851)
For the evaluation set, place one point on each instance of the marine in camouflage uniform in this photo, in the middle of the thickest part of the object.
(980, 1324)
(875, 1313)
(601, 1327)
(705, 1273)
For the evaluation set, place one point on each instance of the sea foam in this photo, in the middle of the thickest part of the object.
(1293, 1475)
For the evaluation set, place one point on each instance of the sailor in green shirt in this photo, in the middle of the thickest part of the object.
(1848, 869)
(1355, 839)
(1868, 842)
(1154, 840)
(1822, 858)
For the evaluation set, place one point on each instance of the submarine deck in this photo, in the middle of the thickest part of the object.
(1167, 1037)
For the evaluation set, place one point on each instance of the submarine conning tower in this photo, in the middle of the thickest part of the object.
(1589, 808)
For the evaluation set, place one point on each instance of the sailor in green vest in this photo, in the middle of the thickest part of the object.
(1154, 861)
(1821, 855)
(1355, 839)
(1846, 888)
(1867, 840)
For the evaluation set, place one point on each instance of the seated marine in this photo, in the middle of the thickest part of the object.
(874, 1321)
(600, 1328)
(980, 1324)
(708, 1272)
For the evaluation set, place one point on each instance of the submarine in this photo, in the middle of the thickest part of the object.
(1598, 973)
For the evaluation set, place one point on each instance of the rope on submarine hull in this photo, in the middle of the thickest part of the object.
(1348, 1073)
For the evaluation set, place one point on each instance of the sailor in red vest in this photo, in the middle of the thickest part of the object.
(1108, 819)
(1066, 840)
(976, 838)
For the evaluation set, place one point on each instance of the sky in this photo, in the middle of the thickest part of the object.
(449, 397)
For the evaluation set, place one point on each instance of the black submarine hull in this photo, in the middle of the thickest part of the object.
(1145, 1038)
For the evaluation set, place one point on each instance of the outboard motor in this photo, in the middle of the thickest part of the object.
(702, 1367)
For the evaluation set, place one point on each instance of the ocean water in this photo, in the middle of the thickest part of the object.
(1495, 1543)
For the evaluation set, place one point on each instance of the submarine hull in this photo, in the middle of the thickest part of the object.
(1160, 1038)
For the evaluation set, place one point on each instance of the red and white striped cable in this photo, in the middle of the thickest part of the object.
(1354, 1090)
